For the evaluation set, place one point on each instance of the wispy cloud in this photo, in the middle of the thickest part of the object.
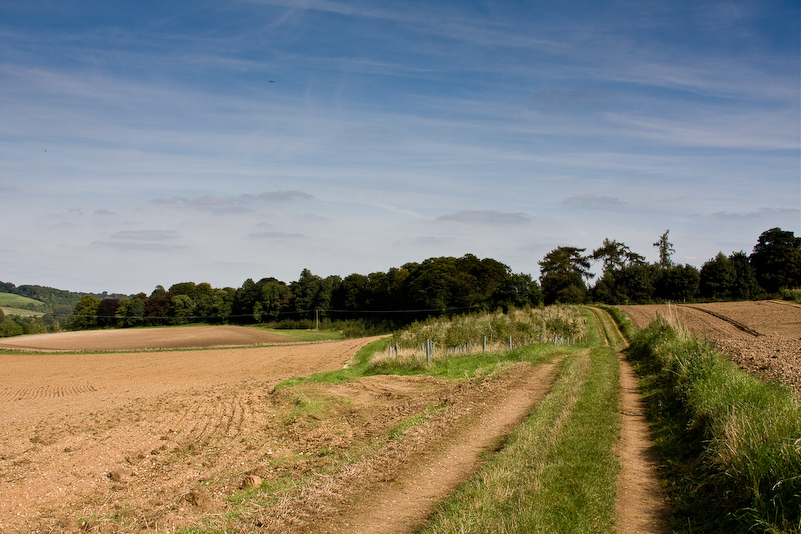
(761, 213)
(277, 235)
(593, 200)
(485, 217)
(227, 205)
(139, 247)
(146, 235)
(215, 204)
(284, 196)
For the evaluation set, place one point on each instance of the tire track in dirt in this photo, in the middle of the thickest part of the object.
(736, 324)
(39, 392)
(403, 504)
(640, 506)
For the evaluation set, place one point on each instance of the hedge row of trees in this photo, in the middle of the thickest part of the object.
(442, 285)
(774, 264)
(413, 291)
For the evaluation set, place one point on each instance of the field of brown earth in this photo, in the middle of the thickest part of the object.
(127, 441)
(763, 337)
(156, 441)
(146, 339)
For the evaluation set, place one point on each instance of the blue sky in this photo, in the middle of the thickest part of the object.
(156, 142)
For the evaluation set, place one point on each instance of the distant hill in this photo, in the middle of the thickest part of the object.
(12, 304)
(41, 299)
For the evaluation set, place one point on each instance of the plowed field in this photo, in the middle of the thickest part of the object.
(763, 337)
(147, 339)
(130, 436)
(153, 441)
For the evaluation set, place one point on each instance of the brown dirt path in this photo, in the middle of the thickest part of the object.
(641, 503)
(404, 504)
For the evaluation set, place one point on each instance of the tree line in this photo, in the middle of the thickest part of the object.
(773, 265)
(401, 295)
(436, 286)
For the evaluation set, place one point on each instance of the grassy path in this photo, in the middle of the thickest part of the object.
(640, 504)
(558, 470)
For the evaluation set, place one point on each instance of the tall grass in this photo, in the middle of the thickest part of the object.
(731, 441)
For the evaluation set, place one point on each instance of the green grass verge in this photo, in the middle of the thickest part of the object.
(468, 366)
(557, 471)
(307, 335)
(731, 442)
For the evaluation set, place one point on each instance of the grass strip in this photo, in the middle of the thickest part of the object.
(557, 471)
(731, 442)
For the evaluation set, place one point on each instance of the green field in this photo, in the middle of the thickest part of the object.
(12, 304)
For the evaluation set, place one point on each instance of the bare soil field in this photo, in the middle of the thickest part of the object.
(146, 339)
(763, 337)
(125, 441)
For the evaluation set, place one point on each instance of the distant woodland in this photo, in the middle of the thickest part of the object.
(436, 286)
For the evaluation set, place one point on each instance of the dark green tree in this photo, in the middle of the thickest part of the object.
(776, 260)
(131, 311)
(718, 277)
(352, 293)
(745, 284)
(562, 275)
(157, 307)
(182, 308)
(616, 255)
(517, 290)
(107, 312)
(666, 250)
(245, 299)
(84, 316)
(678, 283)
(273, 298)
(630, 284)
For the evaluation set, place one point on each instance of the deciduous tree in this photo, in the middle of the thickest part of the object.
(562, 275)
(776, 259)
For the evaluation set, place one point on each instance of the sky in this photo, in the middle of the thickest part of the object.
(154, 142)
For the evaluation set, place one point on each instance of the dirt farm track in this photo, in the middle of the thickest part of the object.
(763, 337)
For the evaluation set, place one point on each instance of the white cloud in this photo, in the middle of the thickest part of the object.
(485, 217)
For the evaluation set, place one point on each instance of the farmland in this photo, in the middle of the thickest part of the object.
(19, 305)
(202, 433)
(202, 438)
(130, 436)
(762, 337)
